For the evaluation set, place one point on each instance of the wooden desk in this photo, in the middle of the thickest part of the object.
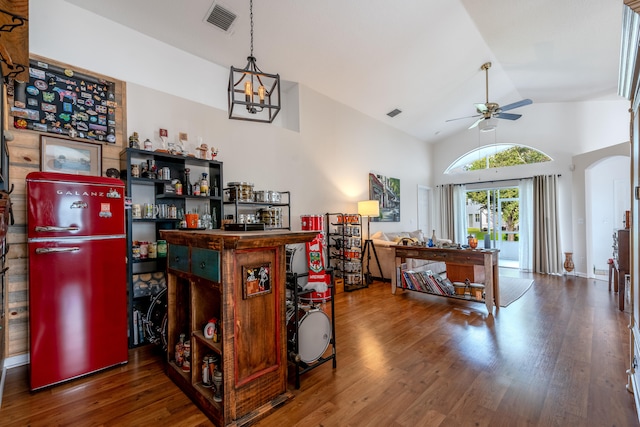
(488, 258)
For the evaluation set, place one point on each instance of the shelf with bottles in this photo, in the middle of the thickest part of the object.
(152, 180)
(344, 248)
(271, 208)
(197, 355)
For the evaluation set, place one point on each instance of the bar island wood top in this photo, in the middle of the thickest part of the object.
(488, 258)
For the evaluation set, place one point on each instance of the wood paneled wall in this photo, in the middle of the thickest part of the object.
(24, 152)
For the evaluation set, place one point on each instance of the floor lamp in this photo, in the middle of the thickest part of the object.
(368, 209)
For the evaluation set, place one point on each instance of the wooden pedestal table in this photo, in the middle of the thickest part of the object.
(487, 258)
(239, 279)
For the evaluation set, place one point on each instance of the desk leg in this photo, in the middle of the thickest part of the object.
(394, 276)
(496, 284)
(621, 289)
(489, 282)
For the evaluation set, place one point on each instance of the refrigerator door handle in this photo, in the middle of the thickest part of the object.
(55, 228)
(56, 250)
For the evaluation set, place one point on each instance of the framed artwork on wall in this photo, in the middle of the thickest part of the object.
(387, 191)
(68, 156)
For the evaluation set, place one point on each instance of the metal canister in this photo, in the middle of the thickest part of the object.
(135, 252)
(165, 173)
(162, 248)
(173, 212)
(153, 250)
(144, 250)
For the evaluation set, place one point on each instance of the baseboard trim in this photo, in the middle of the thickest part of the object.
(2, 377)
(15, 361)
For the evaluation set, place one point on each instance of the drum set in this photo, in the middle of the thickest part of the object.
(155, 322)
(309, 328)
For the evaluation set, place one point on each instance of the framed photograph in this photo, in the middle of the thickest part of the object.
(67, 156)
(256, 280)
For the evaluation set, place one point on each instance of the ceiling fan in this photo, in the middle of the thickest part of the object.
(491, 110)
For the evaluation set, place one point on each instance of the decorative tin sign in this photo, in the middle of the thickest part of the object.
(65, 102)
(257, 280)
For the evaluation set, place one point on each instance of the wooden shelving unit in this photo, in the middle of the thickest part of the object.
(147, 308)
(207, 278)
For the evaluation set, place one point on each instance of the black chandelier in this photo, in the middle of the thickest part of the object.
(253, 94)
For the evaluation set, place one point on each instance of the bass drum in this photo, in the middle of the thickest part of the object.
(297, 263)
(156, 322)
(313, 334)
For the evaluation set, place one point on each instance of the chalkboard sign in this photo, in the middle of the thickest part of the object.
(65, 102)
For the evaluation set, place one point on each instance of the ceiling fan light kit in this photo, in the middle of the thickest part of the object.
(488, 125)
(489, 112)
(253, 95)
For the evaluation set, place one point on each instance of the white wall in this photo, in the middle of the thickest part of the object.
(607, 193)
(325, 164)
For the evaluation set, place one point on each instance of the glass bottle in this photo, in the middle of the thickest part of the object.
(214, 220)
(196, 188)
(215, 187)
(206, 217)
(187, 182)
(204, 185)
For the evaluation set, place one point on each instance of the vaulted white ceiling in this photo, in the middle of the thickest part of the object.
(420, 56)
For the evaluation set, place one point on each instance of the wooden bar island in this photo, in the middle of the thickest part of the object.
(237, 279)
(487, 259)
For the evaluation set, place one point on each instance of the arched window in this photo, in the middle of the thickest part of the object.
(497, 156)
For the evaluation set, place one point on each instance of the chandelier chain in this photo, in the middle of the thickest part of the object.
(251, 18)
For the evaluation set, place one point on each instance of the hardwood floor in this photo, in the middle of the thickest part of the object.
(555, 357)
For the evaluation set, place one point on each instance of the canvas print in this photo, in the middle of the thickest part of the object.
(387, 191)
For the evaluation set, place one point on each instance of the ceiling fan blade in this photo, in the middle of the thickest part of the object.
(516, 105)
(476, 123)
(467, 117)
(508, 116)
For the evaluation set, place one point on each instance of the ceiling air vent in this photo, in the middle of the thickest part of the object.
(394, 113)
(221, 17)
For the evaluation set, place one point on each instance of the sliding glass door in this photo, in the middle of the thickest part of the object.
(493, 217)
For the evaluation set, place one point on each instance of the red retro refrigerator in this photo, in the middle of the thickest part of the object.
(77, 276)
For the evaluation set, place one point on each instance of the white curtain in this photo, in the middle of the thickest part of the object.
(526, 225)
(452, 199)
(460, 214)
(446, 212)
(546, 235)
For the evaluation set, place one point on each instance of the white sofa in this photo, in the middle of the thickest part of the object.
(386, 254)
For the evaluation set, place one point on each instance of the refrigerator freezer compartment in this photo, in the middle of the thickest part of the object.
(62, 205)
